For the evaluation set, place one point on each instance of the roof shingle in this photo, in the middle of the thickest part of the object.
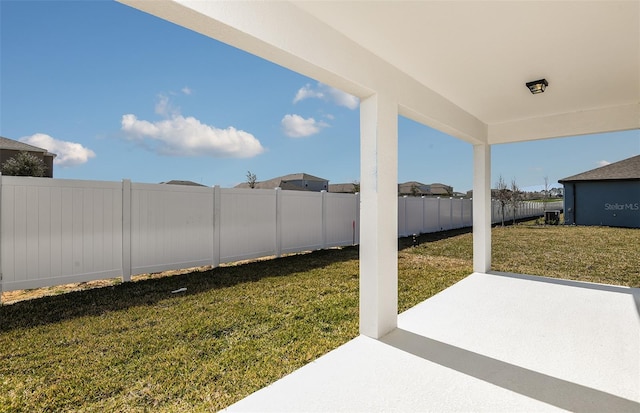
(626, 169)
(6, 143)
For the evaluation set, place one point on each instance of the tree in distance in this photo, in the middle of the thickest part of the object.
(502, 195)
(251, 179)
(24, 164)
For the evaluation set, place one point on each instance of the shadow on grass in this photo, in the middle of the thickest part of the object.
(97, 301)
(408, 242)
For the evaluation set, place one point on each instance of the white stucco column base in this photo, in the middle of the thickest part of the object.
(481, 208)
(378, 216)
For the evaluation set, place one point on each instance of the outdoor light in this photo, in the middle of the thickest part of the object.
(537, 86)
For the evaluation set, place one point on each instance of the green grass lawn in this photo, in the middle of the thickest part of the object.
(138, 347)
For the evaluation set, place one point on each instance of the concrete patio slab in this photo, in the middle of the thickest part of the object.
(492, 342)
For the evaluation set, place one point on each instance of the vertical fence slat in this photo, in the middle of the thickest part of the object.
(126, 230)
(278, 222)
(324, 220)
(217, 205)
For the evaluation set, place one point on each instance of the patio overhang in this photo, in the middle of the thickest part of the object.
(460, 67)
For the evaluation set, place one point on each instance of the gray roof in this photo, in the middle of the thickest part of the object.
(283, 182)
(179, 182)
(348, 188)
(10, 144)
(301, 176)
(626, 169)
(413, 187)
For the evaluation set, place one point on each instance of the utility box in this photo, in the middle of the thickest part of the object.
(552, 217)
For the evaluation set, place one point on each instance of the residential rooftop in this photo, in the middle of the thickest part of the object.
(626, 169)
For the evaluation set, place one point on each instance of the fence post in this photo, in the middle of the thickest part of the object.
(126, 230)
(278, 222)
(217, 206)
(324, 219)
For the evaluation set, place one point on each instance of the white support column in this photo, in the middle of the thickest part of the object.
(481, 208)
(378, 216)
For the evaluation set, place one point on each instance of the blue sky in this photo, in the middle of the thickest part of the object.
(117, 94)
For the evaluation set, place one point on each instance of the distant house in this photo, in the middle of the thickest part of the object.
(348, 188)
(10, 148)
(609, 195)
(413, 188)
(178, 182)
(292, 182)
(438, 189)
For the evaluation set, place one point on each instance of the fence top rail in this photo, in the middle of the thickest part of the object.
(63, 183)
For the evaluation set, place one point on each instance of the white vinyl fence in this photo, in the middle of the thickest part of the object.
(55, 231)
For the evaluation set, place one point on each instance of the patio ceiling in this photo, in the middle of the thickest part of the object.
(458, 66)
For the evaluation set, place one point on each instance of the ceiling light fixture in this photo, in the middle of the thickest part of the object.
(537, 86)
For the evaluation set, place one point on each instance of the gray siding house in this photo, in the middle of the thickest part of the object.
(413, 188)
(608, 196)
(292, 182)
(10, 148)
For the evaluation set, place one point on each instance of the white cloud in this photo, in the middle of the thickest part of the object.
(603, 163)
(326, 93)
(67, 153)
(186, 90)
(295, 126)
(187, 136)
(165, 108)
(307, 92)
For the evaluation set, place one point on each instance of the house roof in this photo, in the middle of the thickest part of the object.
(13, 145)
(301, 176)
(346, 188)
(283, 182)
(179, 182)
(414, 188)
(626, 169)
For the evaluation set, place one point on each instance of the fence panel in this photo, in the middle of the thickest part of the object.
(467, 213)
(445, 214)
(431, 215)
(171, 227)
(247, 224)
(341, 219)
(59, 231)
(55, 231)
(409, 216)
(456, 213)
(402, 212)
(301, 221)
